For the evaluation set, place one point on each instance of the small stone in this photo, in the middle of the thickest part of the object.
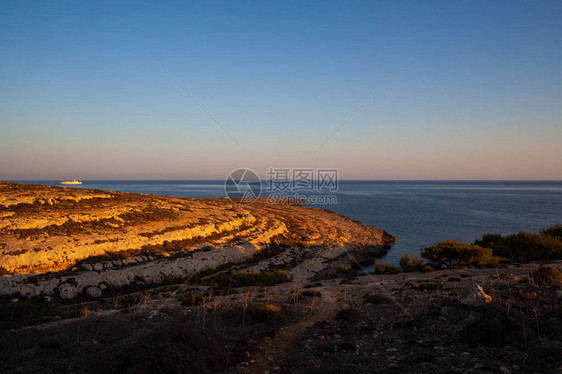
(87, 267)
(559, 294)
(98, 267)
(67, 291)
(102, 286)
(93, 292)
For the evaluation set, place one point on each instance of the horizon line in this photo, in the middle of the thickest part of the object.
(340, 180)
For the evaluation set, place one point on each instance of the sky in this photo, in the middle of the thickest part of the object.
(195, 89)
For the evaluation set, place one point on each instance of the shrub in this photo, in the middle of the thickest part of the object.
(346, 270)
(454, 254)
(192, 299)
(250, 278)
(385, 268)
(268, 313)
(547, 275)
(407, 263)
(554, 230)
(311, 293)
(525, 246)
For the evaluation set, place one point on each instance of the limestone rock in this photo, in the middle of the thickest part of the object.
(475, 297)
(67, 291)
(87, 267)
(93, 292)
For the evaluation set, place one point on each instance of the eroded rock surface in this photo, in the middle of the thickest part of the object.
(50, 236)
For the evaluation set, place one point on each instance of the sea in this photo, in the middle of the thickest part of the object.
(417, 213)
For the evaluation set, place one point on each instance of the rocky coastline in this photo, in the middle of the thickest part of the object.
(108, 282)
(57, 241)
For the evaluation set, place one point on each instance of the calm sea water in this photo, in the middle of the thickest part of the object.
(417, 213)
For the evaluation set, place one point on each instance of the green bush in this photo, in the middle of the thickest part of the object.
(384, 268)
(407, 263)
(250, 278)
(454, 254)
(554, 230)
(346, 270)
(526, 246)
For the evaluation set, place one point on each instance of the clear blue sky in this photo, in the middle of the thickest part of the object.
(479, 98)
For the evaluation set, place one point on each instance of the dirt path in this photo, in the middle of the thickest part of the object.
(274, 350)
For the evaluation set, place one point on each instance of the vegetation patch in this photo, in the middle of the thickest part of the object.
(424, 286)
(250, 278)
(408, 264)
(311, 293)
(192, 299)
(385, 268)
(342, 271)
(546, 275)
(524, 246)
(453, 255)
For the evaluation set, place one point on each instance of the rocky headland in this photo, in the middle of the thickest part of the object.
(62, 241)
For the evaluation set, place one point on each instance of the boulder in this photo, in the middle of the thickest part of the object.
(475, 297)
(87, 267)
(93, 292)
(67, 291)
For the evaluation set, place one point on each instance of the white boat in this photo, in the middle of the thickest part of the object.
(74, 181)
